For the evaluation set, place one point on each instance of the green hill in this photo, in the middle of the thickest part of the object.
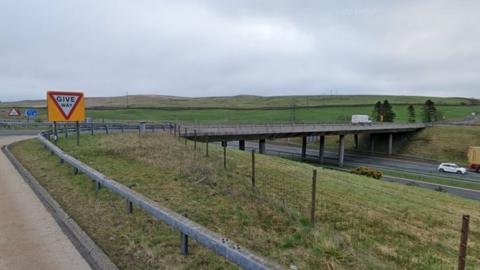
(248, 101)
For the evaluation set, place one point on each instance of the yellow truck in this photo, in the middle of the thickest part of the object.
(474, 158)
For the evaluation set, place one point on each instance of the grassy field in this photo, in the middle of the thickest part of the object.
(362, 223)
(443, 143)
(253, 108)
(327, 114)
(247, 101)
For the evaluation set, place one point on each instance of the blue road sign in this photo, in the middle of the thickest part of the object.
(31, 112)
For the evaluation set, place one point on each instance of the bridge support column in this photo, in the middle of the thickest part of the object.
(372, 143)
(341, 150)
(241, 145)
(321, 150)
(390, 143)
(355, 138)
(304, 146)
(261, 146)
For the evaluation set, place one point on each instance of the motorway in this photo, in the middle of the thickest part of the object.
(428, 169)
(357, 159)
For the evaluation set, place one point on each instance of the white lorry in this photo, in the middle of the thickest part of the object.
(361, 119)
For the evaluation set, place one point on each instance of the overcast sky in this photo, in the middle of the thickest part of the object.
(211, 48)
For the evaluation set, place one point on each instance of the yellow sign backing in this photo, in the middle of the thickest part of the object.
(65, 106)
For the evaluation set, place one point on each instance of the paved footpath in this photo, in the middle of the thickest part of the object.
(29, 236)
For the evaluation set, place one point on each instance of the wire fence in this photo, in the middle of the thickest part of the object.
(294, 190)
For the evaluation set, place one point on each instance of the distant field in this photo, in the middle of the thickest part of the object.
(328, 114)
(254, 109)
(246, 101)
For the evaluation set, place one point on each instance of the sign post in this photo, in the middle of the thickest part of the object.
(30, 113)
(66, 107)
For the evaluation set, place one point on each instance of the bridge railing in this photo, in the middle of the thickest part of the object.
(211, 130)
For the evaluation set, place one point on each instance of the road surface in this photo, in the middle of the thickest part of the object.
(358, 159)
(29, 236)
(393, 164)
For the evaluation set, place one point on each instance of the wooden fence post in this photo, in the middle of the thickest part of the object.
(195, 139)
(253, 168)
(206, 147)
(463, 242)
(314, 197)
(185, 136)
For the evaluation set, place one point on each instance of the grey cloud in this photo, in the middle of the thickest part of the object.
(200, 48)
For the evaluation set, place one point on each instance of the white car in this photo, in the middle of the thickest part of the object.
(451, 167)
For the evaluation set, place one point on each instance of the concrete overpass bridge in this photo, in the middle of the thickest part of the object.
(241, 133)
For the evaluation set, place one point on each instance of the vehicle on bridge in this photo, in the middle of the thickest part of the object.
(452, 168)
(474, 158)
(361, 119)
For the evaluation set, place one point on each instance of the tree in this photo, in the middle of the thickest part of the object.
(429, 112)
(388, 114)
(383, 112)
(412, 117)
(377, 112)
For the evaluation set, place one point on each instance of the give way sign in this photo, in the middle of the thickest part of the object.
(65, 106)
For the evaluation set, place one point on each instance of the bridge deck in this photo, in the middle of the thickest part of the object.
(254, 132)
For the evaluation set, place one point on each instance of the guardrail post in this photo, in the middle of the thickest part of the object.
(61, 161)
(463, 242)
(123, 128)
(106, 129)
(253, 168)
(314, 197)
(98, 185)
(175, 130)
(183, 244)
(65, 130)
(91, 129)
(75, 170)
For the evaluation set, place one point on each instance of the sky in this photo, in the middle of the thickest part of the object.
(225, 47)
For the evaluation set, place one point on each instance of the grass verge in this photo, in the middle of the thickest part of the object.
(362, 223)
(445, 143)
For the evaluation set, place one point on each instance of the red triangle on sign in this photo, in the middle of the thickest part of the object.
(66, 102)
(13, 112)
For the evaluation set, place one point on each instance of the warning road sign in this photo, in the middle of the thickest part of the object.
(14, 112)
(65, 106)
